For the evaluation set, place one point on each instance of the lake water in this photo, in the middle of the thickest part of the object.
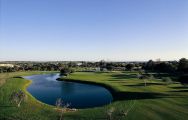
(47, 89)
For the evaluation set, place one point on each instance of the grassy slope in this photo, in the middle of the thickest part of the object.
(32, 109)
(164, 105)
(165, 102)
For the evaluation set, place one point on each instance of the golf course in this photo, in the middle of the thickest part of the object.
(93, 59)
(136, 98)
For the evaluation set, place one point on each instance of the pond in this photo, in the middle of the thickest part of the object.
(47, 89)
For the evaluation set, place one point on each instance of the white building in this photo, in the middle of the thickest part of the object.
(6, 65)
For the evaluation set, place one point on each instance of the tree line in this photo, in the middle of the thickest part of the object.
(180, 66)
(176, 68)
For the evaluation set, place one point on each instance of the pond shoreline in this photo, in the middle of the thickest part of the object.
(29, 94)
(59, 83)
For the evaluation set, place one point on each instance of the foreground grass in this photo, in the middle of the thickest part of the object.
(31, 109)
(156, 101)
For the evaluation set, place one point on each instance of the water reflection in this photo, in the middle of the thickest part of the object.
(68, 89)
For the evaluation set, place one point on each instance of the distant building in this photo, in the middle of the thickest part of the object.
(79, 64)
(6, 65)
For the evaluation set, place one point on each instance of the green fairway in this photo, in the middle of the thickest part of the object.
(156, 101)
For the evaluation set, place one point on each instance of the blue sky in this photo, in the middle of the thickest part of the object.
(115, 30)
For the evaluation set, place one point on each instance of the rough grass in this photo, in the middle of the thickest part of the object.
(156, 101)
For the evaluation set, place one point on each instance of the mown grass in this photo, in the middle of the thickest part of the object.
(156, 101)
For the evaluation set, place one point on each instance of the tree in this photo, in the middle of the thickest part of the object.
(165, 67)
(60, 106)
(145, 77)
(129, 66)
(66, 71)
(110, 113)
(71, 64)
(102, 64)
(109, 66)
(119, 113)
(183, 65)
(17, 97)
(183, 79)
(149, 65)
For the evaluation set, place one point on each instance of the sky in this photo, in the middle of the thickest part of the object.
(92, 30)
